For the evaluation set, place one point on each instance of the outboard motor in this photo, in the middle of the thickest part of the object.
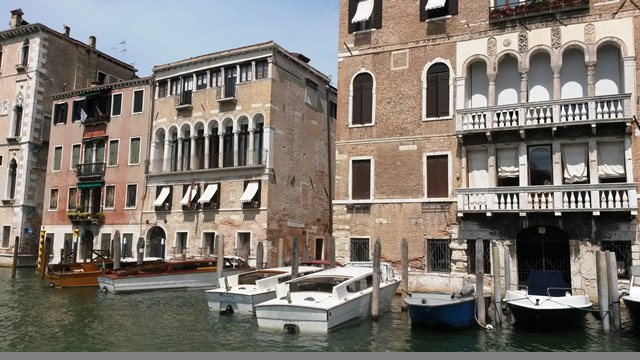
(467, 290)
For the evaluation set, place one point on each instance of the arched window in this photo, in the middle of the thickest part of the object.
(25, 53)
(437, 91)
(11, 180)
(362, 100)
(17, 121)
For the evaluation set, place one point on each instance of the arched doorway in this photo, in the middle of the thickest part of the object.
(86, 245)
(543, 248)
(156, 240)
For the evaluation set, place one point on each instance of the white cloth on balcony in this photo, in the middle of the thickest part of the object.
(363, 12)
(575, 160)
(435, 4)
(478, 169)
(508, 163)
(610, 160)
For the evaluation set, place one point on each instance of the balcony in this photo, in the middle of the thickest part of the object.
(546, 114)
(528, 9)
(184, 100)
(91, 170)
(595, 198)
(77, 217)
(96, 119)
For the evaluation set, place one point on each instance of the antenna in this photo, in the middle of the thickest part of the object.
(124, 48)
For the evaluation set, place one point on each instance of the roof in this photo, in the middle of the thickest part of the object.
(118, 85)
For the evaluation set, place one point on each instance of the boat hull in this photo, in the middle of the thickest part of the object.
(237, 303)
(166, 281)
(546, 311)
(633, 306)
(439, 311)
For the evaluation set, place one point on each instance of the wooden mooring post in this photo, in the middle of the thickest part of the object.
(117, 250)
(603, 290)
(295, 258)
(280, 252)
(15, 257)
(140, 252)
(614, 297)
(404, 253)
(220, 256)
(375, 291)
(332, 252)
(480, 309)
(495, 251)
(259, 256)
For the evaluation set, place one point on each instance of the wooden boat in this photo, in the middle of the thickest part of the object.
(171, 274)
(239, 293)
(547, 303)
(320, 302)
(444, 310)
(632, 299)
(86, 273)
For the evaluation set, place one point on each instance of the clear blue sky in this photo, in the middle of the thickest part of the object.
(157, 32)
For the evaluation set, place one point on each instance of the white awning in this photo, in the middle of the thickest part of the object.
(249, 192)
(191, 192)
(363, 12)
(435, 4)
(163, 195)
(208, 193)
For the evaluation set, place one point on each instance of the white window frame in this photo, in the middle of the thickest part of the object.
(71, 166)
(104, 202)
(373, 99)
(133, 102)
(139, 150)
(49, 208)
(69, 196)
(371, 177)
(53, 159)
(121, 104)
(126, 196)
(109, 152)
(449, 176)
(424, 89)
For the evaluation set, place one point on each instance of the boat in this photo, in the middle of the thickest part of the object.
(546, 302)
(171, 274)
(631, 300)
(324, 300)
(437, 310)
(239, 293)
(83, 274)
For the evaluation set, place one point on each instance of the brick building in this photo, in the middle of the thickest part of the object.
(35, 63)
(505, 122)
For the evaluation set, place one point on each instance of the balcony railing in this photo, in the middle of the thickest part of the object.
(562, 198)
(546, 113)
(184, 100)
(96, 119)
(90, 170)
(78, 217)
(532, 8)
(259, 158)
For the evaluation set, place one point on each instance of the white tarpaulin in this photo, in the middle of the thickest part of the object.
(363, 12)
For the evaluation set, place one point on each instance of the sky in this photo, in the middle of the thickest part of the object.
(155, 32)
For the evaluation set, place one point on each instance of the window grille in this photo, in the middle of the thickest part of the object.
(439, 256)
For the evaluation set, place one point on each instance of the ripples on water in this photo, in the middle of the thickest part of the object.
(36, 318)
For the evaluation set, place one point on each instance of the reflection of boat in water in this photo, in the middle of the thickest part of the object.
(444, 310)
(240, 292)
(547, 303)
(171, 274)
(325, 299)
(86, 273)
(632, 299)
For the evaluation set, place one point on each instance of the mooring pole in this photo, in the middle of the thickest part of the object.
(614, 297)
(332, 252)
(480, 282)
(280, 252)
(117, 250)
(259, 255)
(15, 257)
(295, 259)
(220, 257)
(603, 290)
(496, 282)
(140, 252)
(404, 251)
(375, 293)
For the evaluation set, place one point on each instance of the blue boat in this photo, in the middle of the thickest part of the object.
(443, 310)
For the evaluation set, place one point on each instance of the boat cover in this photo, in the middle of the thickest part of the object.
(540, 280)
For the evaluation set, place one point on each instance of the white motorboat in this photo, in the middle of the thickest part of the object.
(239, 293)
(632, 299)
(319, 302)
(547, 302)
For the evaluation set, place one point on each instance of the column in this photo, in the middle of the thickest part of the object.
(179, 166)
(221, 150)
(235, 147)
(166, 161)
(557, 85)
(524, 87)
(207, 142)
(491, 95)
(251, 156)
(192, 153)
(591, 78)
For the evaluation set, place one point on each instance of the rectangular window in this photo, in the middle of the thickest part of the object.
(138, 101)
(75, 156)
(57, 158)
(78, 112)
(262, 69)
(432, 9)
(110, 197)
(116, 104)
(471, 256)
(245, 72)
(438, 256)
(101, 77)
(127, 245)
(540, 165)
(176, 86)
(359, 250)
(113, 152)
(333, 110)
(311, 93)
(187, 83)
(53, 199)
(6, 236)
(162, 89)
(624, 258)
(201, 81)
(60, 113)
(438, 176)
(361, 179)
(72, 199)
(132, 190)
(215, 78)
(611, 163)
(134, 151)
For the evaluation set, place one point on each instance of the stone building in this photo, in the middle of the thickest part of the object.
(35, 63)
(239, 152)
(95, 177)
(507, 122)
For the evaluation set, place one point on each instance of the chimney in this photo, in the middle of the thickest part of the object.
(67, 30)
(92, 41)
(16, 18)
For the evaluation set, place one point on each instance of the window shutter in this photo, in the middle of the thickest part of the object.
(353, 5)
(377, 14)
(453, 7)
(367, 103)
(423, 12)
(443, 94)
(432, 96)
(356, 115)
(361, 182)
(437, 176)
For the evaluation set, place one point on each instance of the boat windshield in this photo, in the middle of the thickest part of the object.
(251, 278)
(322, 284)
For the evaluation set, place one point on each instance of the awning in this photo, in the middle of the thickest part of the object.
(435, 4)
(191, 192)
(163, 195)
(208, 193)
(249, 192)
(92, 184)
(363, 12)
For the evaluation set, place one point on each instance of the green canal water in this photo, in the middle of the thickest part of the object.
(36, 318)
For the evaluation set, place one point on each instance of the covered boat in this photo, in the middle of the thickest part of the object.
(81, 274)
(632, 300)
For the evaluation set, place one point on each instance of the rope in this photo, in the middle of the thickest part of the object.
(488, 327)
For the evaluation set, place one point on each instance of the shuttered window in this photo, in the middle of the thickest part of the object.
(361, 179)
(437, 176)
(362, 101)
(449, 8)
(374, 22)
(437, 91)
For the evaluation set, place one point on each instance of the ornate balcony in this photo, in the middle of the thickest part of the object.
(526, 9)
(90, 170)
(78, 217)
(595, 198)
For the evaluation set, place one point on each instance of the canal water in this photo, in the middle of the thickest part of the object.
(37, 318)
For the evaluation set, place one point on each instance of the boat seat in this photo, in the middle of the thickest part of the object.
(541, 280)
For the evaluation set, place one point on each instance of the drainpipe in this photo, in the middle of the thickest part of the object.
(329, 163)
